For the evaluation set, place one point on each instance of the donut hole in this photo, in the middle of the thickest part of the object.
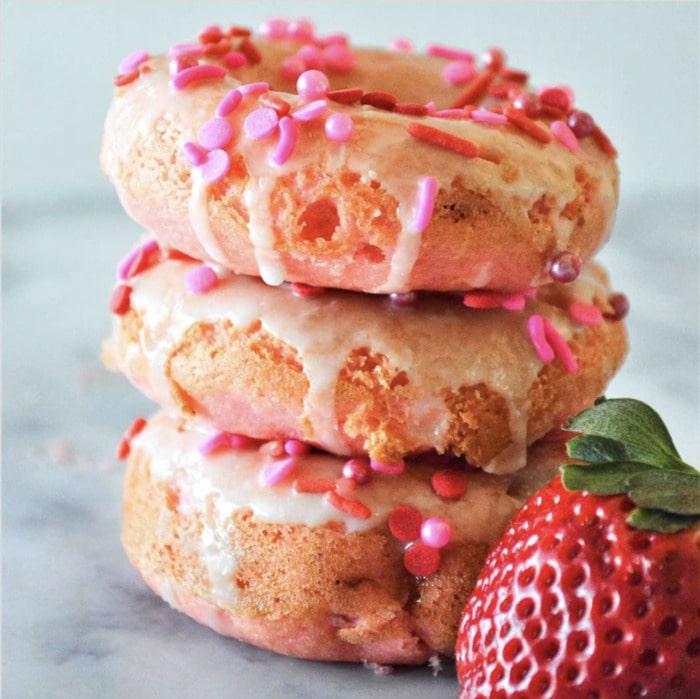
(319, 220)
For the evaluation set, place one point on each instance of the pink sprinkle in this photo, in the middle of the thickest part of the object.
(332, 40)
(359, 470)
(486, 116)
(401, 44)
(133, 61)
(229, 103)
(124, 268)
(277, 471)
(194, 155)
(585, 313)
(201, 279)
(449, 114)
(203, 71)
(215, 166)
(427, 189)
(313, 84)
(459, 72)
(449, 53)
(292, 67)
(535, 326)
(514, 302)
(190, 49)
(295, 447)
(339, 57)
(564, 135)
(560, 347)
(339, 127)
(215, 133)
(240, 441)
(274, 28)
(287, 141)
(436, 532)
(310, 111)
(254, 88)
(261, 123)
(216, 441)
(301, 30)
(388, 469)
(234, 59)
(311, 56)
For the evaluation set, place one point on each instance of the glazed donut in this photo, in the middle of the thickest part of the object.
(315, 565)
(383, 172)
(355, 373)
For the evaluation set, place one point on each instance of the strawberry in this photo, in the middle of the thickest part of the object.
(594, 590)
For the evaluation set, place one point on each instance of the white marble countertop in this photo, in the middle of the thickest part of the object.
(77, 621)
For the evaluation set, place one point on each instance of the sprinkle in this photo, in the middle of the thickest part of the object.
(204, 71)
(189, 49)
(436, 532)
(253, 88)
(442, 139)
(229, 103)
(557, 97)
(535, 326)
(310, 110)
(124, 445)
(194, 154)
(581, 123)
(275, 447)
(560, 347)
(359, 470)
(349, 506)
(493, 58)
(486, 116)
(292, 67)
(403, 300)
(511, 74)
(295, 447)
(604, 142)
(380, 100)
(331, 39)
(339, 58)
(388, 469)
(250, 51)
(215, 166)
(427, 189)
(286, 143)
(476, 90)
(346, 487)
(505, 89)
(349, 95)
(215, 133)
(518, 118)
(120, 300)
(305, 290)
(313, 84)
(421, 560)
(201, 279)
(565, 267)
(312, 56)
(514, 302)
(405, 523)
(240, 441)
(482, 299)
(401, 44)
(179, 63)
(277, 471)
(234, 59)
(459, 113)
(301, 30)
(528, 103)
(620, 307)
(280, 105)
(451, 483)
(339, 127)
(217, 441)
(220, 48)
(261, 123)
(121, 80)
(274, 28)
(138, 260)
(133, 61)
(564, 135)
(314, 485)
(586, 313)
(411, 108)
(449, 53)
(210, 33)
(459, 72)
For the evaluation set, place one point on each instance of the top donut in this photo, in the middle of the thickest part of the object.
(296, 157)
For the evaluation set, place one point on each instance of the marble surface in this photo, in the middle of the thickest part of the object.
(77, 621)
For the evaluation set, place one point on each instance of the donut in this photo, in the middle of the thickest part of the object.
(315, 564)
(299, 158)
(361, 374)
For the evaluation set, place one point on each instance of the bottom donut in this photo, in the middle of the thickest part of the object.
(309, 555)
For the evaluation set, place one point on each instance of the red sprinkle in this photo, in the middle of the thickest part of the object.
(306, 291)
(349, 95)
(314, 485)
(120, 300)
(556, 97)
(124, 445)
(494, 58)
(411, 108)
(282, 107)
(604, 142)
(380, 100)
(483, 299)
(146, 257)
(620, 307)
(250, 51)
(517, 76)
(350, 507)
(585, 313)
(442, 139)
(450, 483)
(518, 118)
(421, 560)
(125, 78)
(476, 90)
(504, 89)
(405, 523)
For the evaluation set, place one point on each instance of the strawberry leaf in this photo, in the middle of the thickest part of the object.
(677, 493)
(603, 479)
(659, 521)
(596, 450)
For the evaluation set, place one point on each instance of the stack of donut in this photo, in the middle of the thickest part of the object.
(365, 304)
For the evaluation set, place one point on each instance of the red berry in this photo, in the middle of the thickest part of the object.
(573, 602)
